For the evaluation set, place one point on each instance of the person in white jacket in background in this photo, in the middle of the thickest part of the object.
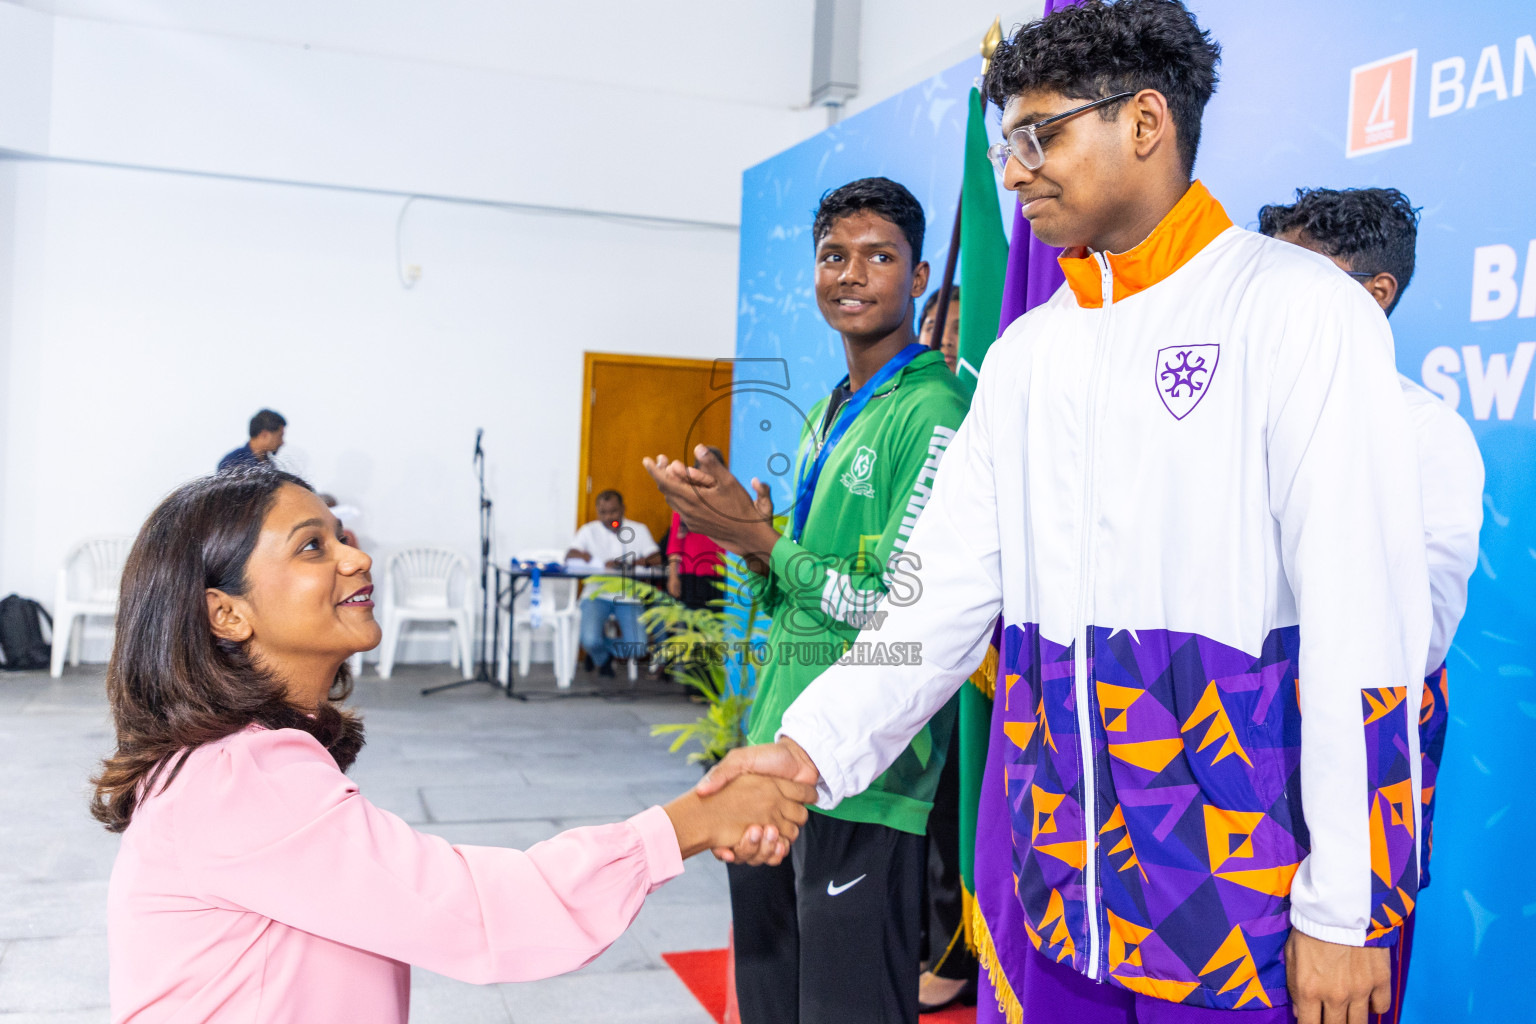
(1189, 486)
(1372, 235)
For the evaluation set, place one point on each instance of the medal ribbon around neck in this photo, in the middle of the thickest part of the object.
(849, 412)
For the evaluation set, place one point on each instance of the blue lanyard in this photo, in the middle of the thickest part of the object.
(811, 472)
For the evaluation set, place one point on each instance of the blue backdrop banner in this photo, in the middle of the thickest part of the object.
(1436, 99)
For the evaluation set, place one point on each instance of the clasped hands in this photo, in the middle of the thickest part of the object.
(755, 800)
(764, 842)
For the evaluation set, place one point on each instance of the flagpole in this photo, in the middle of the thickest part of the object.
(947, 282)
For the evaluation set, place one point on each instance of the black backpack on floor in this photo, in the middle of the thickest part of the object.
(21, 633)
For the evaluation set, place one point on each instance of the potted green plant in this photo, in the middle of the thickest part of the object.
(708, 649)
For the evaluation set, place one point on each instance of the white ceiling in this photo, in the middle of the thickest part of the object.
(750, 52)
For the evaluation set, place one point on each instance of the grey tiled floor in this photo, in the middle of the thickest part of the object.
(469, 765)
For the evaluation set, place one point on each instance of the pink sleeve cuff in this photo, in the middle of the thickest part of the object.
(663, 858)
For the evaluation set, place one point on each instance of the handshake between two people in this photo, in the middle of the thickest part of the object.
(750, 806)
(710, 500)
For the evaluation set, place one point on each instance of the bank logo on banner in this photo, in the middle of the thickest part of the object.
(1381, 104)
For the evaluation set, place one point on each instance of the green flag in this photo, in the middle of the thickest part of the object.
(983, 249)
(983, 268)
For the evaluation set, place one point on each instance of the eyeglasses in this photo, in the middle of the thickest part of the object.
(1023, 143)
(1361, 275)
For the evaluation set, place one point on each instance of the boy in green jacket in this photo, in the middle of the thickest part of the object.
(833, 935)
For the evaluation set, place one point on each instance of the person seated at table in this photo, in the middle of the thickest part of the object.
(612, 542)
(694, 561)
(254, 882)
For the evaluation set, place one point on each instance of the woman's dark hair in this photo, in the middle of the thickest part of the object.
(880, 196)
(1096, 49)
(1371, 229)
(172, 684)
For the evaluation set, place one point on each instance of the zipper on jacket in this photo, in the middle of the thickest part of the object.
(1082, 685)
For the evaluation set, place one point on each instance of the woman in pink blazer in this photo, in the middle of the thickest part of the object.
(254, 882)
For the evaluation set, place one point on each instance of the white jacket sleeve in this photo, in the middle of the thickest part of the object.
(1451, 475)
(1344, 490)
(855, 720)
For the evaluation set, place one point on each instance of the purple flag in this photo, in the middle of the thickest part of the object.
(1033, 273)
(998, 928)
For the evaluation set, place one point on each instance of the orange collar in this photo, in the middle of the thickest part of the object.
(1190, 226)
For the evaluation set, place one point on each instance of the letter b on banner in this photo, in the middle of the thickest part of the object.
(1494, 291)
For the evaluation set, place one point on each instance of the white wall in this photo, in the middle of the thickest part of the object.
(902, 42)
(155, 312)
(549, 104)
(752, 52)
(8, 211)
(26, 84)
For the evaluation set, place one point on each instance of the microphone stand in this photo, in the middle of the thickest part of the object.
(483, 672)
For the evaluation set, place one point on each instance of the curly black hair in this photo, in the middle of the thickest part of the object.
(1098, 48)
(880, 196)
(1371, 229)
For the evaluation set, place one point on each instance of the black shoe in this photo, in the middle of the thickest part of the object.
(965, 997)
(607, 670)
(586, 663)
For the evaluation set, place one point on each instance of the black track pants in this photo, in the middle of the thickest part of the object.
(831, 935)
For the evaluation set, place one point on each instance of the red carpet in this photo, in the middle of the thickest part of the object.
(704, 972)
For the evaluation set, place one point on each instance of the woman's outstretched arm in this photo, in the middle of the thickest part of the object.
(273, 827)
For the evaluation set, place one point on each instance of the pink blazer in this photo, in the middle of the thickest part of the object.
(260, 886)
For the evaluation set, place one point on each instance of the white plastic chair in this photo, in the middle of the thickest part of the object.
(420, 585)
(560, 615)
(87, 588)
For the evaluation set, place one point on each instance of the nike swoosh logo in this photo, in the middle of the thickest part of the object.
(833, 890)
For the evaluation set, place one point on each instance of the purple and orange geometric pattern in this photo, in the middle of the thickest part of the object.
(1434, 713)
(1394, 843)
(1195, 753)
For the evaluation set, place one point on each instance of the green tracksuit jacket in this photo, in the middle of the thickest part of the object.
(824, 589)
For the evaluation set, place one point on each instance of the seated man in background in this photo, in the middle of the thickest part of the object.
(266, 438)
(950, 343)
(694, 560)
(612, 542)
(1371, 234)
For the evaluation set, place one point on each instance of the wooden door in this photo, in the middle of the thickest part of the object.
(638, 406)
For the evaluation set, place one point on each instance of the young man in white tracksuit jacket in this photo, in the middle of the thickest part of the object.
(1371, 234)
(1188, 485)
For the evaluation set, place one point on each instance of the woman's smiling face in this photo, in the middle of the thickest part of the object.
(308, 600)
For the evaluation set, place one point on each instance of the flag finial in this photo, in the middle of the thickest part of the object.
(989, 43)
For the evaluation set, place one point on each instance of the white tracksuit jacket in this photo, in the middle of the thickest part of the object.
(1188, 483)
(1451, 473)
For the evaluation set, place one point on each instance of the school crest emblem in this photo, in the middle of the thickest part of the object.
(1183, 376)
(860, 472)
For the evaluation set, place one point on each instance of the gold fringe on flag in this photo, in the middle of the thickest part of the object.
(986, 953)
(968, 912)
(985, 676)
